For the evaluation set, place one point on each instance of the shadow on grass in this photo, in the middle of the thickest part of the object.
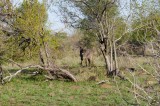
(29, 78)
(27, 74)
(25, 71)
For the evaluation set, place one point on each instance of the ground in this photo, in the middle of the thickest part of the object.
(27, 90)
(38, 92)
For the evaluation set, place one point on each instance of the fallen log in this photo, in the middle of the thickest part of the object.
(61, 73)
(58, 72)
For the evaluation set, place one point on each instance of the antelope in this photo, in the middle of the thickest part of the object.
(85, 55)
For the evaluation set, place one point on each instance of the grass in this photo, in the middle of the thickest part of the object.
(25, 90)
(36, 91)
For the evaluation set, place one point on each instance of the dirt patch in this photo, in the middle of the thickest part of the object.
(51, 94)
(75, 87)
(71, 97)
(12, 101)
(106, 86)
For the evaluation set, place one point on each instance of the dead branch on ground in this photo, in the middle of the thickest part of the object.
(58, 72)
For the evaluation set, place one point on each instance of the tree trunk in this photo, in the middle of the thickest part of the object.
(111, 63)
(115, 58)
(144, 49)
(1, 74)
(48, 62)
(41, 60)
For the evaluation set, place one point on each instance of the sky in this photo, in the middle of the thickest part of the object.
(54, 21)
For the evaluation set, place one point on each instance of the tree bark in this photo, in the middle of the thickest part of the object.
(1, 74)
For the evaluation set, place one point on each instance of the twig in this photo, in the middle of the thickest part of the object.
(102, 82)
(148, 72)
(138, 87)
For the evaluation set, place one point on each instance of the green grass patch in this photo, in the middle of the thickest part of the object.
(37, 91)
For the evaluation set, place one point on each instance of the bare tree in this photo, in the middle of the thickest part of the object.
(100, 18)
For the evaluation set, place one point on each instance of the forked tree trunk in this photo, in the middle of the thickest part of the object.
(108, 49)
(111, 63)
(52, 70)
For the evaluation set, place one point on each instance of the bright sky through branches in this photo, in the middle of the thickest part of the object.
(56, 25)
(53, 19)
